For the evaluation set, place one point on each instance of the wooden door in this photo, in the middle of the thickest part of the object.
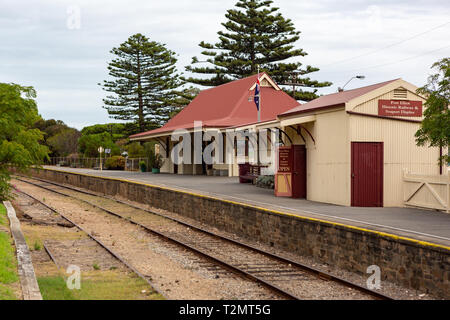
(367, 174)
(299, 171)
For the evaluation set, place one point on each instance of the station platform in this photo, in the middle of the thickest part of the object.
(419, 224)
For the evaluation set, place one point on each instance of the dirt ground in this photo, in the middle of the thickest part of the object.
(56, 244)
(175, 272)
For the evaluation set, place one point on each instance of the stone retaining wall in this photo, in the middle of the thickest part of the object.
(411, 264)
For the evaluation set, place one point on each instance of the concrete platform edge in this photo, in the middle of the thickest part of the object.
(28, 282)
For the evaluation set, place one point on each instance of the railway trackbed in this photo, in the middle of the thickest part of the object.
(287, 278)
(72, 223)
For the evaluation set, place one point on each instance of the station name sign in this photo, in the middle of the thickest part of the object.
(399, 108)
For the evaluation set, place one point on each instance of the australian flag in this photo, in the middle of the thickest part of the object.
(256, 96)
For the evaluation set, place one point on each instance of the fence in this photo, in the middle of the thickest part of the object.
(427, 191)
(132, 164)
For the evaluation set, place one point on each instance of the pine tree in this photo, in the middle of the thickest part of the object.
(144, 84)
(257, 35)
(184, 97)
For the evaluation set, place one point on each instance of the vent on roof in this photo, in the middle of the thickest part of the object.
(400, 93)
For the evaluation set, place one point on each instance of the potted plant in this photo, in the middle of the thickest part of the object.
(143, 166)
(157, 163)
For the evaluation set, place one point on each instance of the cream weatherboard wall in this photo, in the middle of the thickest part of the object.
(400, 152)
(328, 164)
(400, 149)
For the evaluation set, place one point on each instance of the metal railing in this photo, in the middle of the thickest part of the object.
(131, 164)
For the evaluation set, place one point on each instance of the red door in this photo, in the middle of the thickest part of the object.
(367, 174)
(299, 171)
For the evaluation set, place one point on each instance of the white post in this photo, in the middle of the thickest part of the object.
(448, 191)
(100, 150)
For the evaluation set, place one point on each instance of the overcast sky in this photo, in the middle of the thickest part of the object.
(64, 58)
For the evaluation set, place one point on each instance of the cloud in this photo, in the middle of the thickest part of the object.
(65, 65)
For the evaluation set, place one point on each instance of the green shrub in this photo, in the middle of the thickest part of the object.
(143, 166)
(135, 150)
(158, 161)
(265, 182)
(115, 163)
(37, 246)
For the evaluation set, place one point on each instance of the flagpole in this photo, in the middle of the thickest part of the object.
(259, 119)
(259, 109)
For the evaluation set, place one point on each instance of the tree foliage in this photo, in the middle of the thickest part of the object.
(19, 141)
(144, 82)
(58, 137)
(256, 35)
(116, 131)
(435, 128)
(88, 144)
(50, 127)
(135, 150)
(65, 142)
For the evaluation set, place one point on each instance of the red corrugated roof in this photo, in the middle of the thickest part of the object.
(334, 99)
(227, 105)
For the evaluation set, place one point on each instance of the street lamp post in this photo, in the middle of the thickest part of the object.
(355, 77)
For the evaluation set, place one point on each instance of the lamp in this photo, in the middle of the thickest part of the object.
(361, 77)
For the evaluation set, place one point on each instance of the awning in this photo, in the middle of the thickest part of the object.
(297, 120)
(268, 125)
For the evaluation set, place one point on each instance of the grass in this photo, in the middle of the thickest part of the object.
(6, 293)
(37, 246)
(54, 288)
(3, 218)
(8, 262)
(35, 233)
(104, 285)
(96, 284)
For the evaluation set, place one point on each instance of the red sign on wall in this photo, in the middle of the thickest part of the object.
(285, 159)
(399, 108)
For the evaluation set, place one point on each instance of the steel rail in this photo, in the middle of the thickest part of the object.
(114, 254)
(49, 253)
(200, 252)
(316, 272)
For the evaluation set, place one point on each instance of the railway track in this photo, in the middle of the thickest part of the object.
(279, 274)
(98, 241)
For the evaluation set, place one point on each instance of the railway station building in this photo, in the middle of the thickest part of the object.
(358, 144)
(218, 109)
(350, 148)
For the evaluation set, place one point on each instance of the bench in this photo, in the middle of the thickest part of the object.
(249, 172)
